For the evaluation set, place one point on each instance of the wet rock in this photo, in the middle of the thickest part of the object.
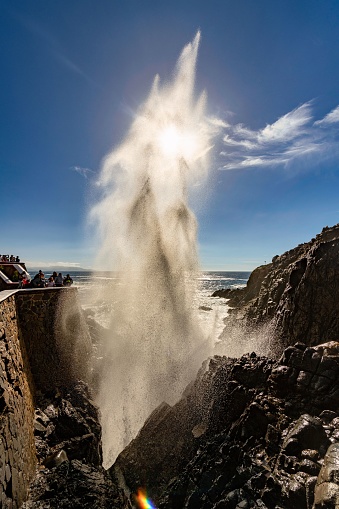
(55, 459)
(305, 433)
(309, 466)
(254, 422)
(310, 486)
(68, 444)
(252, 439)
(75, 485)
(205, 308)
(327, 487)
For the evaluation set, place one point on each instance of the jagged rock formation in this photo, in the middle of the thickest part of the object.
(296, 294)
(68, 445)
(250, 432)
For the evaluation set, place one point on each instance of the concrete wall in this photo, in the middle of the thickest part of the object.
(44, 343)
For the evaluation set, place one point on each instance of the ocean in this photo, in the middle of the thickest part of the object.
(211, 310)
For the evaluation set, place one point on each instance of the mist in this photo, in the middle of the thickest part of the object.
(147, 234)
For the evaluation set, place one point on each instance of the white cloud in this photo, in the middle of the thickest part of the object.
(287, 127)
(293, 136)
(45, 265)
(239, 143)
(247, 162)
(217, 122)
(330, 118)
(240, 130)
(84, 172)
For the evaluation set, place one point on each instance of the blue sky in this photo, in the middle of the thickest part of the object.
(73, 72)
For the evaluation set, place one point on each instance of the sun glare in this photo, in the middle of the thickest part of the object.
(176, 143)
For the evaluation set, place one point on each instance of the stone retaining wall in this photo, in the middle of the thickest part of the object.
(44, 344)
(55, 334)
(17, 450)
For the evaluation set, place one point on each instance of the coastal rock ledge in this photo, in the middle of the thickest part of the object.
(250, 432)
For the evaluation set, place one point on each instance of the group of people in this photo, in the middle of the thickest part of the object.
(9, 258)
(39, 280)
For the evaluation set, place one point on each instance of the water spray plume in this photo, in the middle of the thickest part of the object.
(154, 345)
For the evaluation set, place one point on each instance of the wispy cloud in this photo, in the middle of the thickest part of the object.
(295, 135)
(66, 62)
(288, 127)
(51, 265)
(51, 43)
(330, 118)
(84, 172)
(218, 122)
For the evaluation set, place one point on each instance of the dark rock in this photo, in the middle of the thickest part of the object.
(326, 492)
(310, 467)
(254, 421)
(307, 432)
(252, 431)
(75, 485)
(68, 444)
(55, 459)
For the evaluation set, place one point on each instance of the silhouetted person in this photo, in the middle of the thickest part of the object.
(38, 281)
(68, 281)
(59, 280)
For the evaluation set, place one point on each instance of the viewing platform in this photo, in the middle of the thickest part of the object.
(10, 273)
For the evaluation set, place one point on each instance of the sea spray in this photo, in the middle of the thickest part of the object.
(153, 346)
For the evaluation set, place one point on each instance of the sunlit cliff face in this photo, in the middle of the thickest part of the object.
(148, 234)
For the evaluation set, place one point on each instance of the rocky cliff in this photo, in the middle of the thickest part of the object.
(295, 297)
(68, 445)
(249, 432)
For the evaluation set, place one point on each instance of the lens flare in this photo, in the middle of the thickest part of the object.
(143, 501)
(176, 143)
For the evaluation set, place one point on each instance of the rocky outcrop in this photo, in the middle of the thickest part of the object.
(250, 432)
(68, 444)
(240, 297)
(296, 294)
